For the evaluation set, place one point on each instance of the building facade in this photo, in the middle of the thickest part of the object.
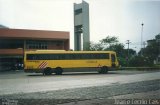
(13, 43)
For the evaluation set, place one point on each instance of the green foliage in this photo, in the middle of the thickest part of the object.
(152, 50)
(112, 44)
(122, 61)
(157, 36)
(150, 53)
(118, 47)
(109, 40)
(95, 47)
(140, 61)
(109, 43)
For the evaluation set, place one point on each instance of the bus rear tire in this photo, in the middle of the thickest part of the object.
(47, 71)
(58, 70)
(103, 70)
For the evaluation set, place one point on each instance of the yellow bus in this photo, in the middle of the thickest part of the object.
(48, 62)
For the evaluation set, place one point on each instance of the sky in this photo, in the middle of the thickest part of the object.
(120, 18)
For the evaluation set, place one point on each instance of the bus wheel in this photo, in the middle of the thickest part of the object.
(58, 71)
(47, 71)
(103, 70)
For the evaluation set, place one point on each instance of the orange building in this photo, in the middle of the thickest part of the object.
(13, 42)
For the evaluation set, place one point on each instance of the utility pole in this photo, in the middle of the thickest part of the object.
(144, 44)
(128, 42)
(142, 39)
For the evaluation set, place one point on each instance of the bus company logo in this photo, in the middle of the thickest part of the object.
(43, 65)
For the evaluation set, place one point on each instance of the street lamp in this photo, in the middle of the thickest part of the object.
(142, 38)
(128, 42)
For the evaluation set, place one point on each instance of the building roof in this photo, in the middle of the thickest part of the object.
(33, 34)
(2, 26)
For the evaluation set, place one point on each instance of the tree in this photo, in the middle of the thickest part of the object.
(158, 36)
(108, 41)
(118, 47)
(139, 61)
(153, 49)
(95, 46)
(111, 43)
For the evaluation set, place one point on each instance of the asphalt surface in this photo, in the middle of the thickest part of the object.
(81, 88)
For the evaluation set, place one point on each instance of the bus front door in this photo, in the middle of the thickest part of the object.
(113, 60)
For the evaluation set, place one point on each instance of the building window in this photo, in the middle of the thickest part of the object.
(11, 44)
(36, 45)
(78, 11)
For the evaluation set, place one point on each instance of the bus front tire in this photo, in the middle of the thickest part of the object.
(47, 71)
(58, 71)
(103, 70)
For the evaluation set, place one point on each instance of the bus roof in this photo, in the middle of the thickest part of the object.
(63, 51)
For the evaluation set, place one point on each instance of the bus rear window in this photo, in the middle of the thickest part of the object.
(113, 57)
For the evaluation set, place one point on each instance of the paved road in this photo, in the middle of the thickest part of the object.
(21, 82)
(80, 87)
